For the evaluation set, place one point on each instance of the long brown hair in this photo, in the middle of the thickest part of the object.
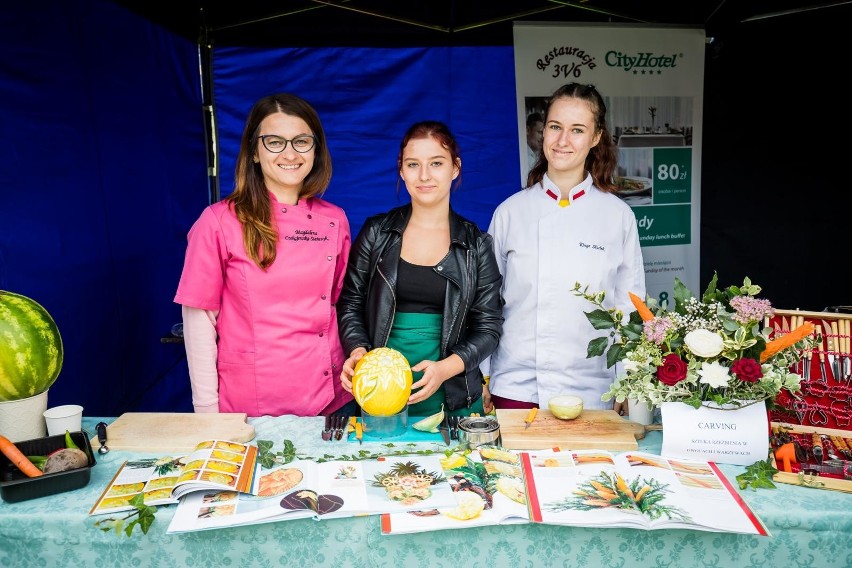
(250, 198)
(603, 157)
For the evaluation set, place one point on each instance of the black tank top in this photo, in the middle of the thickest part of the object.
(419, 289)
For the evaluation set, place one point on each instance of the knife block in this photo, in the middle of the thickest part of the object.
(826, 394)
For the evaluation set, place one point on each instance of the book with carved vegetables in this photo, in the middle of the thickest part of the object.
(320, 490)
(214, 464)
(593, 488)
(488, 484)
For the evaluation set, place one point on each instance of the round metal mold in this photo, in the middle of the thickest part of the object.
(475, 431)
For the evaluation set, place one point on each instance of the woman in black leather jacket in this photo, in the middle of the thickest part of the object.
(424, 280)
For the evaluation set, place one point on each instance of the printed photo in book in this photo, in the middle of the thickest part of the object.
(634, 490)
(214, 464)
(308, 489)
(489, 489)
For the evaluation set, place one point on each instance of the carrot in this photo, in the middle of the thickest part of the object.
(640, 306)
(786, 341)
(641, 493)
(15, 455)
(623, 487)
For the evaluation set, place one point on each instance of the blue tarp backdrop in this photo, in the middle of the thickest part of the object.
(367, 98)
(104, 168)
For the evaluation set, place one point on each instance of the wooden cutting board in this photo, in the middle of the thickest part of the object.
(593, 429)
(173, 431)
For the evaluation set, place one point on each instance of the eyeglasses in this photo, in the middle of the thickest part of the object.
(277, 144)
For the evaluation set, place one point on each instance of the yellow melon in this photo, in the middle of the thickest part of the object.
(382, 381)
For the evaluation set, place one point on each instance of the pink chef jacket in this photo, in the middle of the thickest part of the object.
(279, 350)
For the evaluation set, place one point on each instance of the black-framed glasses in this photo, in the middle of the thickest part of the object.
(277, 144)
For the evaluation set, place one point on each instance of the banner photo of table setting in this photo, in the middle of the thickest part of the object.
(652, 82)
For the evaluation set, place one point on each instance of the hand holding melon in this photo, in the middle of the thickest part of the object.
(382, 382)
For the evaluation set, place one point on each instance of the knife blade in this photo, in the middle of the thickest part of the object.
(829, 346)
(530, 417)
(847, 364)
(445, 429)
(837, 360)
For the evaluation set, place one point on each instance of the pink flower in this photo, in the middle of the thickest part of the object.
(747, 370)
(672, 371)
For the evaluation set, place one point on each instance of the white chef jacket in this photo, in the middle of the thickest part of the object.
(542, 249)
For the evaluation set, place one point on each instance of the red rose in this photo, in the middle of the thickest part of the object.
(672, 371)
(747, 370)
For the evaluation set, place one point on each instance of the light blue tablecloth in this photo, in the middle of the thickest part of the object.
(810, 527)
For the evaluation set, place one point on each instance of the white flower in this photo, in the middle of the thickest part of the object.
(714, 374)
(704, 343)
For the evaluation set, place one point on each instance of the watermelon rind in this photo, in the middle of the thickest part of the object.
(31, 351)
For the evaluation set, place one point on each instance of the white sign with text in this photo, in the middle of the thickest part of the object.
(732, 436)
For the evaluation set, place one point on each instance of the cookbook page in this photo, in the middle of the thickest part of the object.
(406, 483)
(281, 493)
(692, 494)
(154, 478)
(487, 492)
(218, 464)
(579, 488)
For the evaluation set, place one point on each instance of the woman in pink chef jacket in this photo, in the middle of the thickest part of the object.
(263, 270)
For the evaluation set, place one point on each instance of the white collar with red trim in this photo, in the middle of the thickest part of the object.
(551, 190)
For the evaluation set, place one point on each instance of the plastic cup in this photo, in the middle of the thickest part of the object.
(61, 418)
(385, 426)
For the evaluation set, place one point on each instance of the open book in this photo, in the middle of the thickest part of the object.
(489, 488)
(214, 464)
(320, 490)
(592, 488)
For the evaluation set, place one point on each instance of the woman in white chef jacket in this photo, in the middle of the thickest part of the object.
(567, 226)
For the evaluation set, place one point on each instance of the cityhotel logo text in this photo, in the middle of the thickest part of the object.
(568, 62)
(643, 62)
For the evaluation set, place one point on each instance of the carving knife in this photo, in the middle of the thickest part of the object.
(829, 345)
(823, 367)
(530, 417)
(445, 429)
(847, 364)
(838, 359)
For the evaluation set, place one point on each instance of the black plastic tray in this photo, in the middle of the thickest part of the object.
(15, 486)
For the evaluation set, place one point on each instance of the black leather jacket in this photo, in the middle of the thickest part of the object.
(473, 309)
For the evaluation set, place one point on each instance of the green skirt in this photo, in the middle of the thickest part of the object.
(418, 338)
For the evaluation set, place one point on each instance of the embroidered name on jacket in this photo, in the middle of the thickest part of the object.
(305, 235)
(592, 246)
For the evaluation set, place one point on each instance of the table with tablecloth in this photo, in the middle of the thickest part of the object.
(809, 527)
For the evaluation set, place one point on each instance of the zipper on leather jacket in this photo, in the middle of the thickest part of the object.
(393, 305)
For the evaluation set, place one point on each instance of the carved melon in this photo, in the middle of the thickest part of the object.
(382, 381)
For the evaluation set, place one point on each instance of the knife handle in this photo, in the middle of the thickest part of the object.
(101, 429)
(530, 417)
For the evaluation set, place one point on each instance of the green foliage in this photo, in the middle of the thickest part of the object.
(758, 476)
(269, 458)
(144, 518)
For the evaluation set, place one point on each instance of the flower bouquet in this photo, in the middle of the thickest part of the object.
(709, 350)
